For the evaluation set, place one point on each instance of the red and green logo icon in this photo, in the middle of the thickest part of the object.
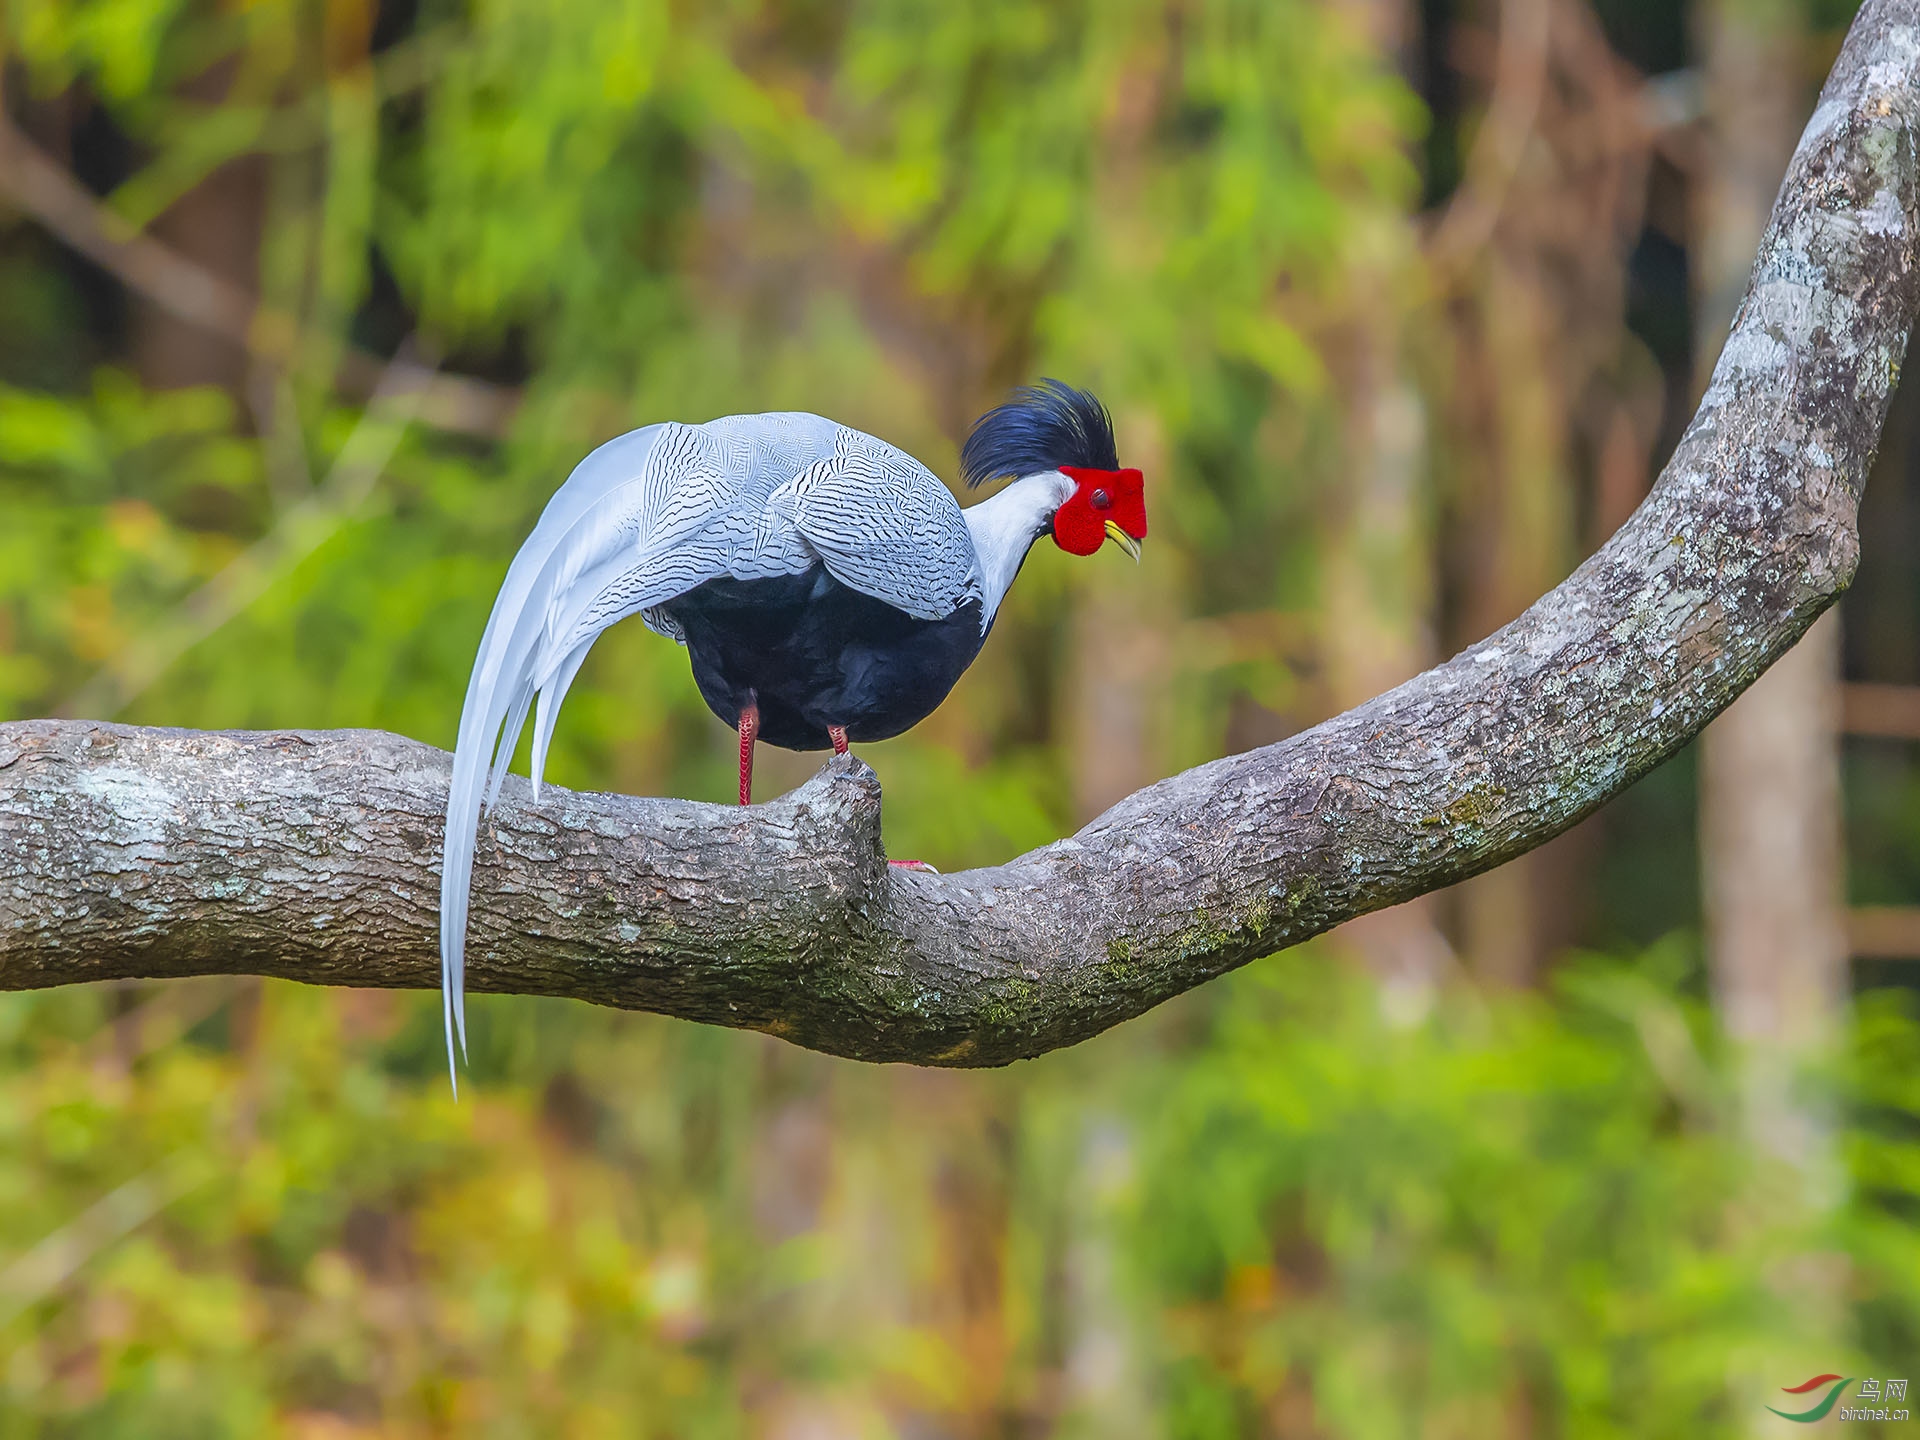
(1806, 1387)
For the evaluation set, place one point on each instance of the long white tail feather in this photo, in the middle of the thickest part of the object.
(446, 1007)
(513, 652)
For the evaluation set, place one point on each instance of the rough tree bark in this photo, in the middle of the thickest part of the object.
(127, 852)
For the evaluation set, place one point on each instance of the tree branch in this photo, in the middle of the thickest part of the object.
(128, 852)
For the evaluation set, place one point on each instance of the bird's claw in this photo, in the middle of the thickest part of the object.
(913, 865)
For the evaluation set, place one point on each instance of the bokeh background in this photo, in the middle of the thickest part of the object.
(1399, 303)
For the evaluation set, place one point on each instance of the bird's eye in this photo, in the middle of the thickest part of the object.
(1102, 500)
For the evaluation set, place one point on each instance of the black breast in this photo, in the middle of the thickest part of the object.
(812, 652)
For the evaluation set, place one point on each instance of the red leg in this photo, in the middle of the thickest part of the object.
(749, 728)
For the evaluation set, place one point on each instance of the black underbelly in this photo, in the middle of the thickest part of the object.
(812, 652)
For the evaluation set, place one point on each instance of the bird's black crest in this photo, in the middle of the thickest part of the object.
(1043, 427)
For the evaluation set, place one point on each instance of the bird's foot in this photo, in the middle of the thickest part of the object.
(913, 865)
(838, 734)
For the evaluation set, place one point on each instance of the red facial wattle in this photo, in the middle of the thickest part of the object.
(1099, 497)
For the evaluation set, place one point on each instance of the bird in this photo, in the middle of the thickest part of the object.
(827, 586)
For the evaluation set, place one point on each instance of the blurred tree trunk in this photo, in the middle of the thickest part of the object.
(1526, 517)
(1770, 859)
(1122, 646)
(1769, 773)
(219, 225)
(1770, 843)
(1378, 603)
(1538, 386)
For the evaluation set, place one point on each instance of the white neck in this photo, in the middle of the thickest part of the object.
(1004, 527)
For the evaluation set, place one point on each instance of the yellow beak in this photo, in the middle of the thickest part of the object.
(1125, 541)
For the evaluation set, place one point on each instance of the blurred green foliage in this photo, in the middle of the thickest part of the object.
(232, 1208)
(245, 1209)
(1533, 1205)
